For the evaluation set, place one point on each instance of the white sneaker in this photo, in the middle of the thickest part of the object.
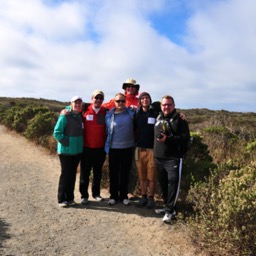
(126, 202)
(111, 201)
(84, 201)
(98, 198)
(63, 204)
(161, 210)
(167, 218)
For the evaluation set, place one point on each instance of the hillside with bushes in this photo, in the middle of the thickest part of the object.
(218, 197)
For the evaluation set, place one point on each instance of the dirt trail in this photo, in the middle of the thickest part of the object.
(31, 222)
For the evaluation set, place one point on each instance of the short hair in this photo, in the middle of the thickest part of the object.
(120, 94)
(168, 97)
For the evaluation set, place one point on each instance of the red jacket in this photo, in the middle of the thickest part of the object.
(130, 100)
(94, 128)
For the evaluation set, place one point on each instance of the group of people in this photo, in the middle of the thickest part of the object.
(138, 135)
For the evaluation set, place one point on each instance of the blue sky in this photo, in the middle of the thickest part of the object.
(202, 52)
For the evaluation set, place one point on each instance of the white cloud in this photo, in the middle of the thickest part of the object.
(62, 49)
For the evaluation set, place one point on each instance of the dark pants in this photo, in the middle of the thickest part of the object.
(133, 174)
(67, 179)
(169, 175)
(92, 159)
(119, 167)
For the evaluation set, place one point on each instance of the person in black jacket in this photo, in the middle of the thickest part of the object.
(171, 134)
(145, 118)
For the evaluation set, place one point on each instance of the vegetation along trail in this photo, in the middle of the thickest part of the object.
(31, 222)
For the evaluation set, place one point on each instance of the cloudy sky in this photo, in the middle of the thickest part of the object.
(202, 52)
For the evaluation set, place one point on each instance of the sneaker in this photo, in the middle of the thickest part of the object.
(71, 203)
(63, 204)
(142, 202)
(151, 203)
(98, 198)
(131, 197)
(161, 210)
(111, 201)
(126, 202)
(167, 218)
(84, 201)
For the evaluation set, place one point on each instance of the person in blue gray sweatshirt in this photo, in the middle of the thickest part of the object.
(119, 147)
(68, 131)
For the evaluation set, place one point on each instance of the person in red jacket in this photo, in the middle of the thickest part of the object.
(94, 154)
(131, 91)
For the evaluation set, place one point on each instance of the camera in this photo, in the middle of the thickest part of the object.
(159, 135)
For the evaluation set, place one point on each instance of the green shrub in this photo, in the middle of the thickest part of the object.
(250, 150)
(40, 125)
(23, 116)
(225, 209)
(9, 116)
(197, 163)
(222, 142)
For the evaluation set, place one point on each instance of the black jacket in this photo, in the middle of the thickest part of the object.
(177, 131)
(144, 127)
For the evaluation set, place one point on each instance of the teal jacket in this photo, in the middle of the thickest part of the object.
(68, 131)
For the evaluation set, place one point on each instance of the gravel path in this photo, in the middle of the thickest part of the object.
(31, 222)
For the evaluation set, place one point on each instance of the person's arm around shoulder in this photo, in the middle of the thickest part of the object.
(109, 105)
(66, 110)
(183, 116)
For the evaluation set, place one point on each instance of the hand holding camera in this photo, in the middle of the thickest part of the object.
(163, 133)
(160, 134)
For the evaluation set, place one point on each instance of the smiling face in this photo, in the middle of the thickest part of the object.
(120, 102)
(97, 100)
(167, 105)
(145, 101)
(76, 106)
(131, 89)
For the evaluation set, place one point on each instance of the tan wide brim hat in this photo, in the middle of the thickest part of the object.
(131, 81)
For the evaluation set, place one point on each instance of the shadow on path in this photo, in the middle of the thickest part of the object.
(3, 232)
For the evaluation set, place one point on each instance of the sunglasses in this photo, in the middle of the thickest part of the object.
(131, 86)
(98, 98)
(118, 101)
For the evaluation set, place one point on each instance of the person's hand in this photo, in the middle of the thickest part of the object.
(133, 107)
(183, 116)
(163, 138)
(64, 112)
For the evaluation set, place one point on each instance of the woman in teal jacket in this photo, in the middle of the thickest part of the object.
(68, 132)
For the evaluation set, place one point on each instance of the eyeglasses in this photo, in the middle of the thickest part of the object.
(118, 101)
(131, 86)
(98, 98)
(166, 105)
